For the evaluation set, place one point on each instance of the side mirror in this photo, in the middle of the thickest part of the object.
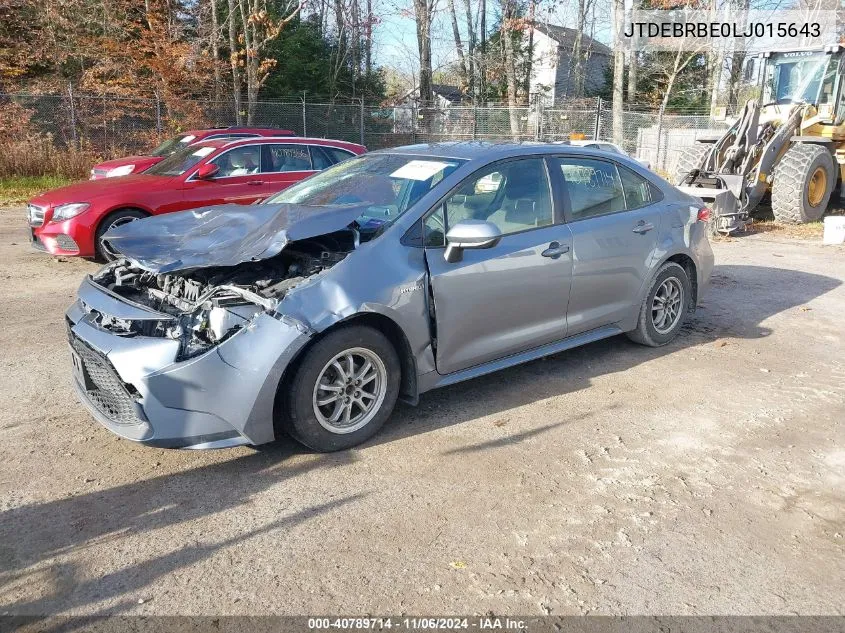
(207, 171)
(470, 234)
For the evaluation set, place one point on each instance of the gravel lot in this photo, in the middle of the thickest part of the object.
(704, 477)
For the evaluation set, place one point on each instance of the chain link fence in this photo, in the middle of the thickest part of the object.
(112, 126)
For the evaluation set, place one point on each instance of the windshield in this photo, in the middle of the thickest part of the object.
(180, 161)
(801, 77)
(173, 144)
(387, 184)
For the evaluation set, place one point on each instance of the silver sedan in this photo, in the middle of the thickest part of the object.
(379, 279)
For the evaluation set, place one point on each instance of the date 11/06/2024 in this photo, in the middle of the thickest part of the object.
(419, 623)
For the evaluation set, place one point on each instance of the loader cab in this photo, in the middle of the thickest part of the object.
(813, 77)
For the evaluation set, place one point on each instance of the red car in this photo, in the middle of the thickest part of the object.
(72, 220)
(136, 164)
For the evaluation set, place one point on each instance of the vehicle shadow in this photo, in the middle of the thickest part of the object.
(738, 305)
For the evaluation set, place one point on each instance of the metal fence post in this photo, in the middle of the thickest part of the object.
(597, 126)
(659, 134)
(361, 121)
(304, 117)
(413, 123)
(474, 121)
(538, 127)
(72, 113)
(158, 114)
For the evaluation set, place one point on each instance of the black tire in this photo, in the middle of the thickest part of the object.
(113, 219)
(690, 159)
(298, 416)
(646, 333)
(790, 192)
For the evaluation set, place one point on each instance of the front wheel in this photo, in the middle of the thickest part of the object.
(664, 308)
(104, 251)
(343, 391)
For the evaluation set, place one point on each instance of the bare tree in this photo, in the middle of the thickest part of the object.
(618, 70)
(529, 51)
(214, 46)
(235, 60)
(577, 72)
(510, 25)
(424, 13)
(632, 68)
(463, 69)
(482, 63)
(248, 39)
(472, 49)
(368, 33)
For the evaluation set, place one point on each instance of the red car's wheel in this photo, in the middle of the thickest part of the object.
(105, 252)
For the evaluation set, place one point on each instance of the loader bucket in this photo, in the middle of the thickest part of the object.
(724, 207)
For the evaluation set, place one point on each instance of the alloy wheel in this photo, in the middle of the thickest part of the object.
(667, 305)
(349, 390)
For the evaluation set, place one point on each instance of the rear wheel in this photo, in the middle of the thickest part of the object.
(664, 308)
(803, 182)
(343, 391)
(104, 250)
(690, 159)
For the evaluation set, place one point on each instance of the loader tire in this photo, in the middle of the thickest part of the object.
(690, 159)
(803, 181)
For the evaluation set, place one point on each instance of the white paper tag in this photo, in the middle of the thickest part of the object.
(420, 169)
(187, 139)
(204, 151)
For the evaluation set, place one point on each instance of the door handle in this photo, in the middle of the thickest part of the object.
(643, 227)
(255, 182)
(555, 250)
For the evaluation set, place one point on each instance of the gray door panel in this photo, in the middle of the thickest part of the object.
(501, 300)
(612, 256)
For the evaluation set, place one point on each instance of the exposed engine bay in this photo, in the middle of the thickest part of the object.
(207, 305)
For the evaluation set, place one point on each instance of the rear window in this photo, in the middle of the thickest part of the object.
(181, 161)
(173, 145)
(325, 157)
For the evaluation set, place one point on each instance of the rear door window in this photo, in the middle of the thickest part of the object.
(285, 157)
(338, 155)
(639, 192)
(320, 158)
(594, 187)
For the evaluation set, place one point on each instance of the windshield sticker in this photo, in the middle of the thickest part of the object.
(187, 139)
(420, 169)
(203, 151)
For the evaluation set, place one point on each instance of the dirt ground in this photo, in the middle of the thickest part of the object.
(706, 477)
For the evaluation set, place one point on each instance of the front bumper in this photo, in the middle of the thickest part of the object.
(69, 238)
(134, 386)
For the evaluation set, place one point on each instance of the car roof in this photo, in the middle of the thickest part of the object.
(486, 151)
(263, 131)
(583, 142)
(297, 140)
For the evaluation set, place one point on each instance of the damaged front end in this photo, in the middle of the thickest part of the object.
(195, 345)
(208, 305)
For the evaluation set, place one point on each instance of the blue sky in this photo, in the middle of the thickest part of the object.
(396, 37)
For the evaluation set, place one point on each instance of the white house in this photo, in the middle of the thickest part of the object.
(551, 67)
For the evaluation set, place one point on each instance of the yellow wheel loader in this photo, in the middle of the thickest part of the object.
(791, 147)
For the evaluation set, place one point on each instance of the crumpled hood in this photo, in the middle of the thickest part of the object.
(224, 235)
